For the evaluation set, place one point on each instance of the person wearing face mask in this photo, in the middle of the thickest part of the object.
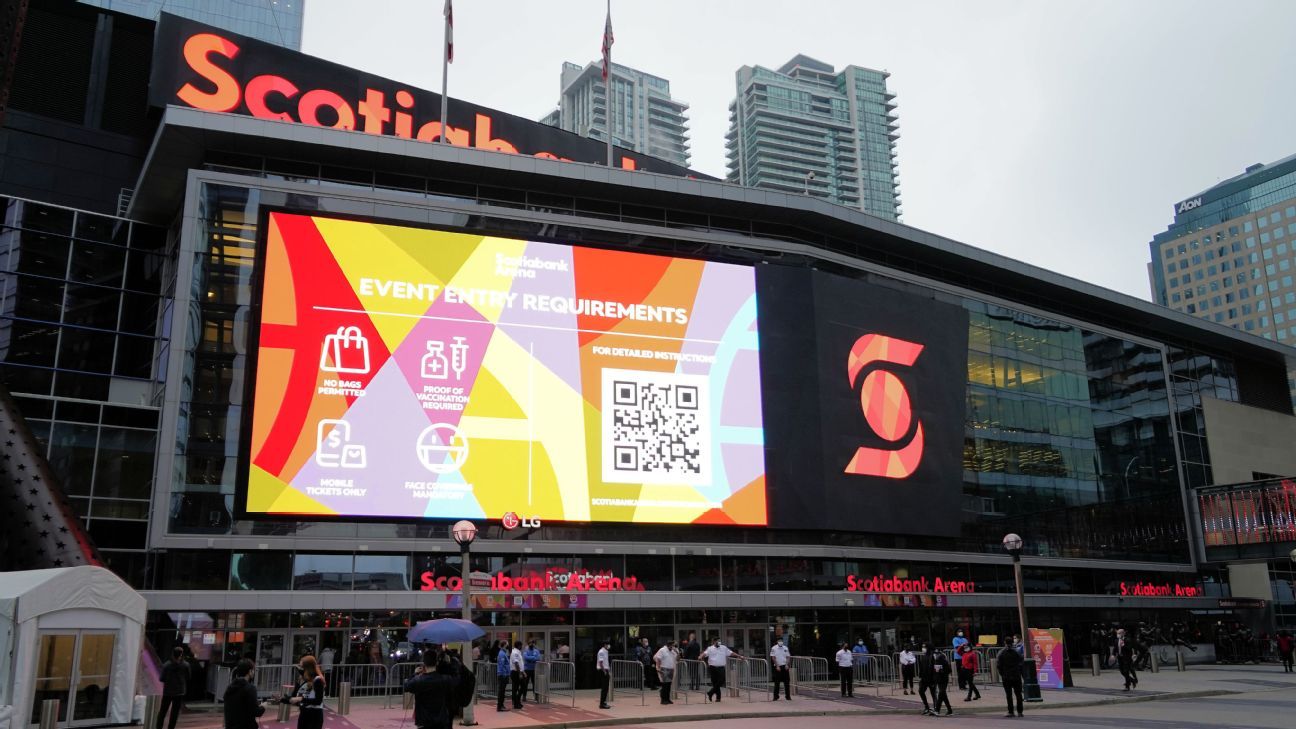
(717, 657)
(780, 657)
(907, 661)
(927, 679)
(846, 671)
(958, 643)
(309, 696)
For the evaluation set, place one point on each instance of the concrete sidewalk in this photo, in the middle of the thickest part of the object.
(636, 708)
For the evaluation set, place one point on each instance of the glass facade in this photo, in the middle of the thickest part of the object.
(80, 304)
(273, 21)
(1068, 430)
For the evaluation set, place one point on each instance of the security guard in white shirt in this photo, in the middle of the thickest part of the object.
(604, 667)
(780, 656)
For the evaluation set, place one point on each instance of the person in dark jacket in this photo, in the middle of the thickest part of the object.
(309, 696)
(941, 670)
(926, 677)
(242, 707)
(433, 686)
(1127, 653)
(1010, 672)
(175, 684)
(693, 652)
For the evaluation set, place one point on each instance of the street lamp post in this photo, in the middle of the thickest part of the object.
(1030, 676)
(464, 532)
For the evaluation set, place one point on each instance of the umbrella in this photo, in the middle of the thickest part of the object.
(445, 630)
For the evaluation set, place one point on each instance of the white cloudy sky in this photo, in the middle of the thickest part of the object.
(1056, 132)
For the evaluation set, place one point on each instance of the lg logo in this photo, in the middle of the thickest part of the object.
(511, 521)
(885, 404)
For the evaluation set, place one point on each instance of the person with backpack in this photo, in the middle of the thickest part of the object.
(1010, 672)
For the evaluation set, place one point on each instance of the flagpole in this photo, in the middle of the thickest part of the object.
(445, 69)
(608, 81)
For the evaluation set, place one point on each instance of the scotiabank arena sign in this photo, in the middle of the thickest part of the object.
(207, 68)
(550, 580)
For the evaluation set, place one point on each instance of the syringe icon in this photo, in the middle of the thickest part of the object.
(459, 356)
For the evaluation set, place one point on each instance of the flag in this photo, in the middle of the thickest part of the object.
(607, 45)
(449, 32)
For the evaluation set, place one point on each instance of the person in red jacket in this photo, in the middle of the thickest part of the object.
(971, 662)
(1285, 647)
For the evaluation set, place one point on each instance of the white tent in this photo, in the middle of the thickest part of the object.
(80, 629)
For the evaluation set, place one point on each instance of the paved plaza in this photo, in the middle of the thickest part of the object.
(1204, 696)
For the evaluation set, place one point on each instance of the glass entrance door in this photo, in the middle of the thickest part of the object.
(75, 667)
(270, 648)
(304, 644)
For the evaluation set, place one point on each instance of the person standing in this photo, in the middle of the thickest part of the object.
(926, 678)
(531, 657)
(907, 661)
(517, 674)
(845, 671)
(717, 657)
(175, 684)
(603, 665)
(959, 641)
(1010, 672)
(326, 658)
(780, 658)
(693, 652)
(665, 660)
(970, 662)
(501, 673)
(433, 686)
(644, 655)
(242, 708)
(1126, 653)
(941, 670)
(309, 696)
(1286, 645)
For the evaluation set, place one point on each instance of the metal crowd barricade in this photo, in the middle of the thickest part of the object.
(750, 675)
(877, 672)
(270, 679)
(487, 680)
(396, 678)
(810, 675)
(691, 676)
(628, 676)
(366, 679)
(556, 679)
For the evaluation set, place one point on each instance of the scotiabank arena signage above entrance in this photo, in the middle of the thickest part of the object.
(207, 68)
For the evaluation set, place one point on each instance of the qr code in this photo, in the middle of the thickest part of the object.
(656, 428)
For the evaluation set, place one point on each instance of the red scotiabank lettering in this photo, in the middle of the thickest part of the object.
(879, 583)
(1148, 589)
(274, 97)
(549, 581)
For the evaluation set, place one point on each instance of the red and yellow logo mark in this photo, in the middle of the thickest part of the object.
(885, 404)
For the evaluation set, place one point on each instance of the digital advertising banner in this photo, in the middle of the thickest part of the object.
(410, 373)
(872, 382)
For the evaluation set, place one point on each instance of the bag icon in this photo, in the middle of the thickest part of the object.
(347, 349)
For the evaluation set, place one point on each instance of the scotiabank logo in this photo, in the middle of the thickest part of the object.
(884, 402)
(271, 96)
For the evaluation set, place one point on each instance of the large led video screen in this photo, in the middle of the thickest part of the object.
(409, 373)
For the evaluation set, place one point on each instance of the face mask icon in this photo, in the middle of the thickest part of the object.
(884, 402)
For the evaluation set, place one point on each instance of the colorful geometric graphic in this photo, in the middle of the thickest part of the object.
(412, 373)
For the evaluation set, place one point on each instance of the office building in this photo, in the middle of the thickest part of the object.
(647, 119)
(1230, 255)
(809, 129)
(305, 348)
(273, 21)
